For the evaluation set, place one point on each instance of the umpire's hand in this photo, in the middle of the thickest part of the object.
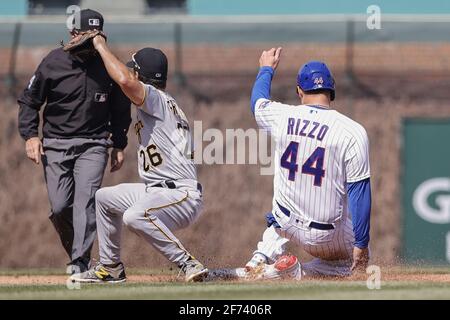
(117, 158)
(360, 259)
(34, 149)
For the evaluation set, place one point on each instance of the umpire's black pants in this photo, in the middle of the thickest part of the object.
(74, 171)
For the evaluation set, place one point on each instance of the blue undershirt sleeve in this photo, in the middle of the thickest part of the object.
(359, 204)
(261, 88)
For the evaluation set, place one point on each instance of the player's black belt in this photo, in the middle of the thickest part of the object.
(172, 185)
(312, 224)
(321, 226)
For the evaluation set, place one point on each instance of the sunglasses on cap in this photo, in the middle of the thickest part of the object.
(136, 66)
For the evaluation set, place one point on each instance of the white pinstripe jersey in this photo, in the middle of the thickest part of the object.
(165, 150)
(317, 152)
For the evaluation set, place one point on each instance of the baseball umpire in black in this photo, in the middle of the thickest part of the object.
(85, 113)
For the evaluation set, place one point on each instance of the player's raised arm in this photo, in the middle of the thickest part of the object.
(120, 73)
(268, 62)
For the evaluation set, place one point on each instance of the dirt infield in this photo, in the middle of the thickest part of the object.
(398, 276)
(61, 279)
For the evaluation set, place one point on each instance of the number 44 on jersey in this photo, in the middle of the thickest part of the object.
(312, 166)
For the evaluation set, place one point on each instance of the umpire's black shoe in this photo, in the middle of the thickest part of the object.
(78, 266)
(101, 274)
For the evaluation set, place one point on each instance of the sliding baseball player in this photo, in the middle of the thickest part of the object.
(322, 196)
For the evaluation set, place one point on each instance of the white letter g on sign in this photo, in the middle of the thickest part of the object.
(441, 215)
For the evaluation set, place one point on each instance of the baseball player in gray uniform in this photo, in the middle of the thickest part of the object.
(169, 198)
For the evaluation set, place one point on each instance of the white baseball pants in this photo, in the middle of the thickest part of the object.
(332, 249)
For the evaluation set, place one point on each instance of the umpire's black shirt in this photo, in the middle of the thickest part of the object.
(82, 101)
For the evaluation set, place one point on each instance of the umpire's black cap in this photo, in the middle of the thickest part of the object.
(87, 19)
(150, 63)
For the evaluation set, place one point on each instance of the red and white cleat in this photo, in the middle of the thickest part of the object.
(285, 263)
(286, 267)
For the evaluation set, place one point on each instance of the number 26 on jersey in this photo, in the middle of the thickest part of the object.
(150, 156)
(312, 166)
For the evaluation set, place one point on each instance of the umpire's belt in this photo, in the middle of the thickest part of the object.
(172, 185)
(312, 224)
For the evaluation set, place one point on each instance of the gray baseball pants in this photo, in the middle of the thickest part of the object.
(74, 171)
(151, 212)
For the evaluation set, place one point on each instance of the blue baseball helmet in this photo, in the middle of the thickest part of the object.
(315, 75)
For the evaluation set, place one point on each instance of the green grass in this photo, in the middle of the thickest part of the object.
(305, 290)
(232, 290)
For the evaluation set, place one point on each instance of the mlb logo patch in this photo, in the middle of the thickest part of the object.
(94, 22)
(100, 97)
(264, 104)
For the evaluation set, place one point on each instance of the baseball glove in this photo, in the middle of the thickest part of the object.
(82, 44)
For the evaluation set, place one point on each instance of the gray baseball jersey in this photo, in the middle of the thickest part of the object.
(165, 149)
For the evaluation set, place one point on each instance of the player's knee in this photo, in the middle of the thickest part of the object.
(102, 195)
(131, 218)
